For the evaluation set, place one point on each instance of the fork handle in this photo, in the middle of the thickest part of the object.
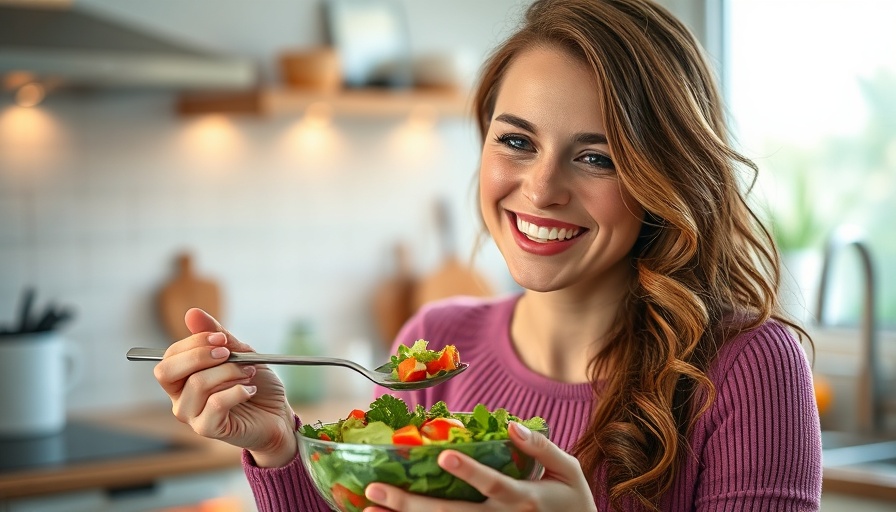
(145, 354)
(156, 354)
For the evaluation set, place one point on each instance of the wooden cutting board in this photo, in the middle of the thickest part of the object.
(392, 298)
(183, 291)
(451, 277)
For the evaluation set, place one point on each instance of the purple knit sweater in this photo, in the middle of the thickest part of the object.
(758, 448)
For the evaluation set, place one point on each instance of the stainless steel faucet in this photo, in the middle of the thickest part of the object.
(870, 384)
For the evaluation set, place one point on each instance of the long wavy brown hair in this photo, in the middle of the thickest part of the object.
(707, 268)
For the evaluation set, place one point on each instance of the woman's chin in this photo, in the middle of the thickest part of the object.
(536, 281)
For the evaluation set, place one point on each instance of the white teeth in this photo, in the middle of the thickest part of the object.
(542, 233)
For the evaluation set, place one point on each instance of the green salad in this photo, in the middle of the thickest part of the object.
(392, 444)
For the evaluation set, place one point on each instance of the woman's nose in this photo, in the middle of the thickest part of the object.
(544, 184)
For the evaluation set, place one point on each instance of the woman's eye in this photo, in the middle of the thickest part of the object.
(515, 142)
(598, 160)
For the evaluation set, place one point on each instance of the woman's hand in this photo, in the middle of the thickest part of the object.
(243, 405)
(563, 486)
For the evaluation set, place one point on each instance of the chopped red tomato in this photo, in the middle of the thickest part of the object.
(410, 370)
(438, 429)
(448, 360)
(346, 500)
(358, 414)
(407, 435)
(518, 460)
(324, 436)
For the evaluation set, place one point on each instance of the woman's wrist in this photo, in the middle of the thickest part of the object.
(276, 458)
(283, 452)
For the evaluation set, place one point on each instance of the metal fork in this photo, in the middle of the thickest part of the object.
(381, 375)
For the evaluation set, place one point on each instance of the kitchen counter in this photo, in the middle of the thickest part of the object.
(862, 483)
(190, 454)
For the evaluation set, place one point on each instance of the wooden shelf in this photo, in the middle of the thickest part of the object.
(346, 103)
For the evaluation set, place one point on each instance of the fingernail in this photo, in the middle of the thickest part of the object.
(450, 461)
(220, 352)
(250, 389)
(249, 370)
(374, 493)
(522, 431)
(217, 338)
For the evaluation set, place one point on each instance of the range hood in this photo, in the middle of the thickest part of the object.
(73, 47)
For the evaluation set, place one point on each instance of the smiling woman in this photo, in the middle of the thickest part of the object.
(648, 333)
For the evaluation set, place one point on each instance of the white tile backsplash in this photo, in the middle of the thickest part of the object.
(13, 229)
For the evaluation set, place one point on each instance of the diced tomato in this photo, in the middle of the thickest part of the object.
(358, 414)
(324, 436)
(438, 429)
(346, 500)
(407, 435)
(410, 370)
(315, 456)
(448, 360)
(518, 460)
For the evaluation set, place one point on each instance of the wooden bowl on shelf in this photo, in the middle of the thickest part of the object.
(316, 69)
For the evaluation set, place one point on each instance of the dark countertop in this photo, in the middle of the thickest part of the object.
(138, 447)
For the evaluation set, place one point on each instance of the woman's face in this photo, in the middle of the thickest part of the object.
(549, 192)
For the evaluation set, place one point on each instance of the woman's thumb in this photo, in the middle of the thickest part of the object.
(557, 463)
(198, 321)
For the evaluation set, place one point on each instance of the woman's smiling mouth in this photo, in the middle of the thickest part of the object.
(545, 234)
(544, 237)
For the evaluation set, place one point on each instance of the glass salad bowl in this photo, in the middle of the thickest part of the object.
(342, 470)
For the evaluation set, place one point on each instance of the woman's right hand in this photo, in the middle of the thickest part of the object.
(244, 405)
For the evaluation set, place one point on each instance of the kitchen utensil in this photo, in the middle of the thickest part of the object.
(382, 375)
(186, 290)
(25, 311)
(32, 319)
(52, 317)
(392, 298)
(452, 277)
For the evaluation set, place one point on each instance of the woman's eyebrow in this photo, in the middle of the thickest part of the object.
(519, 122)
(591, 138)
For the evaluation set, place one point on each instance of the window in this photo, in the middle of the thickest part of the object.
(811, 88)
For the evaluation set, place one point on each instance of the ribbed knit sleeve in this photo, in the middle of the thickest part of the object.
(283, 489)
(759, 444)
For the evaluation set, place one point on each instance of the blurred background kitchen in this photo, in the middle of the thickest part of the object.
(305, 169)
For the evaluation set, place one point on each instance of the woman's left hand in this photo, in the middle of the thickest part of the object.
(563, 486)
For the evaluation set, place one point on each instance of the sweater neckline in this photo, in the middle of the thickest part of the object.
(507, 355)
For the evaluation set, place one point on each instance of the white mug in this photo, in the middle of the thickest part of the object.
(37, 370)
